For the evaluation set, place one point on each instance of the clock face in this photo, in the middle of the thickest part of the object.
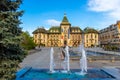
(65, 29)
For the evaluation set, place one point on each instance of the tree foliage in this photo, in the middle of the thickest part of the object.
(11, 52)
(27, 41)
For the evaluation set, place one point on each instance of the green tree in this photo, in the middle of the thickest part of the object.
(11, 53)
(27, 41)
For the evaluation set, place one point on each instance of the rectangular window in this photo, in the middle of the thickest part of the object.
(95, 36)
(86, 36)
(95, 41)
(91, 35)
(91, 41)
(35, 36)
(87, 41)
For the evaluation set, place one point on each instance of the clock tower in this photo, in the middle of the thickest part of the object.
(65, 31)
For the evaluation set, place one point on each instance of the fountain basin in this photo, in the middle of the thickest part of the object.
(43, 74)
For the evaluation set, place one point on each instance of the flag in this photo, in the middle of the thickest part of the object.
(62, 37)
(61, 30)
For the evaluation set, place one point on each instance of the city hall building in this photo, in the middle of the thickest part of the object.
(65, 34)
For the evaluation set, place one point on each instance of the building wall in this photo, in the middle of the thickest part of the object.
(57, 40)
(110, 35)
(35, 38)
(90, 39)
(53, 40)
(64, 34)
(40, 38)
(75, 39)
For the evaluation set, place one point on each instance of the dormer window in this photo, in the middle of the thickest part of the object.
(75, 30)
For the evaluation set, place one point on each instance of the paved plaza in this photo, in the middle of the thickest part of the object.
(41, 59)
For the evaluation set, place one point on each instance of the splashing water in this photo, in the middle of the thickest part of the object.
(66, 65)
(67, 58)
(51, 61)
(83, 61)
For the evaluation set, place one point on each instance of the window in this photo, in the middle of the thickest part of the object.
(87, 44)
(86, 36)
(35, 36)
(35, 41)
(95, 36)
(91, 35)
(95, 41)
(87, 41)
(65, 35)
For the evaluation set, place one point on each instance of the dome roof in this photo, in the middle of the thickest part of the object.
(65, 20)
(90, 30)
(39, 30)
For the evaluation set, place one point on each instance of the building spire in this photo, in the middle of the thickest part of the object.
(65, 18)
(65, 14)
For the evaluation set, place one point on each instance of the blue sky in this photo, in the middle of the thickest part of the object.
(97, 14)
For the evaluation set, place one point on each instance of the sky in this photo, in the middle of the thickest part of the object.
(96, 14)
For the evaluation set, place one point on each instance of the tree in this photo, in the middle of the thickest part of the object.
(27, 41)
(11, 53)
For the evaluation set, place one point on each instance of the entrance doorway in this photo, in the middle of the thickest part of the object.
(65, 42)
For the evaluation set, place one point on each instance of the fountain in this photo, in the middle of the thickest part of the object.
(83, 61)
(51, 61)
(66, 65)
(67, 58)
(66, 74)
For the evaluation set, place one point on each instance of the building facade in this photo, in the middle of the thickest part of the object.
(62, 35)
(90, 37)
(110, 35)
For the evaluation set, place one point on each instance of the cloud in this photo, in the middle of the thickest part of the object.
(109, 7)
(47, 28)
(53, 22)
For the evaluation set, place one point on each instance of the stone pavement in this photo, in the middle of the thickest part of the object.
(41, 60)
(37, 60)
(113, 71)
